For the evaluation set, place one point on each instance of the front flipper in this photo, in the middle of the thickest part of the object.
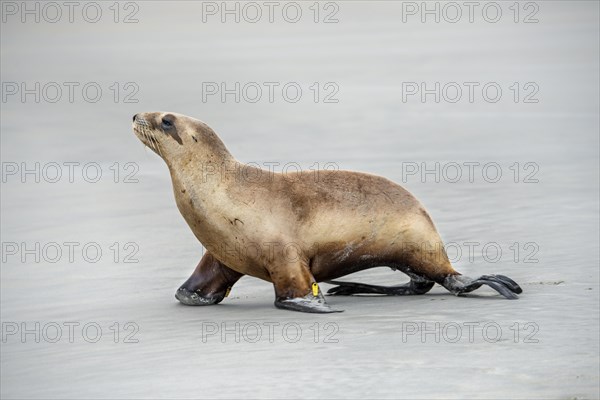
(209, 284)
(309, 304)
(297, 290)
(189, 298)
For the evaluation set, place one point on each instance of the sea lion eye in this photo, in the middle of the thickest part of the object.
(166, 123)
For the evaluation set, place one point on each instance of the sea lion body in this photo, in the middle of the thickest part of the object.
(295, 229)
(338, 228)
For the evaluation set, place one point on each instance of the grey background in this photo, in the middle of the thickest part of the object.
(168, 54)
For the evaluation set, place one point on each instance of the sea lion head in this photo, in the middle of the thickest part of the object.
(173, 136)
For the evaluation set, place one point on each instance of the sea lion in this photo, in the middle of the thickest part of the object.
(295, 229)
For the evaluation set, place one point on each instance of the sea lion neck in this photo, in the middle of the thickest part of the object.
(200, 187)
(206, 166)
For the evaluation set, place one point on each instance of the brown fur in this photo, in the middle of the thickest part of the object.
(249, 220)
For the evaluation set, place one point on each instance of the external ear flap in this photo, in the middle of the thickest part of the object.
(173, 133)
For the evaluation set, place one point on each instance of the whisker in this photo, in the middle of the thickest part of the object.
(156, 146)
(159, 149)
(150, 141)
(143, 131)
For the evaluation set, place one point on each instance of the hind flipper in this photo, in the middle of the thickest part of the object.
(460, 284)
(512, 285)
(349, 288)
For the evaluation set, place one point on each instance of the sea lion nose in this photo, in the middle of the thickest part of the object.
(134, 117)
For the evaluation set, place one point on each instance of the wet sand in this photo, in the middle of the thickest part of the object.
(544, 345)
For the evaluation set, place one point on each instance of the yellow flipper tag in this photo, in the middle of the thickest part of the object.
(228, 291)
(315, 289)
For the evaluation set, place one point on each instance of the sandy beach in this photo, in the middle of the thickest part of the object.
(492, 123)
